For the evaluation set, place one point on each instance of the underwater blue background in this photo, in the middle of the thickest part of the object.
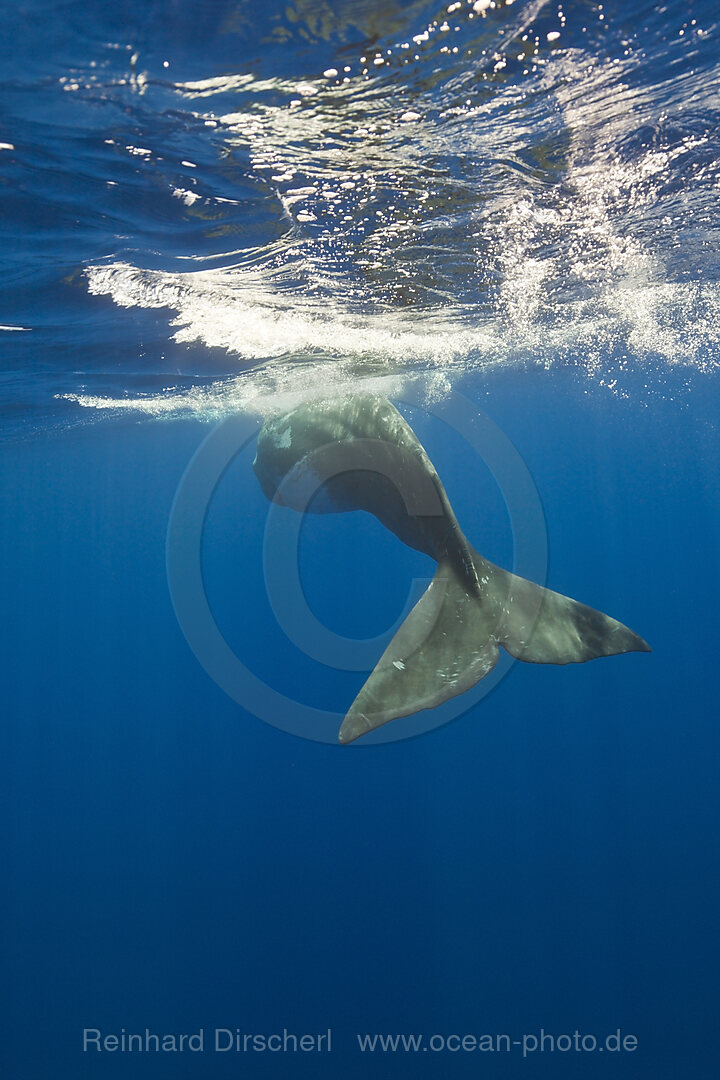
(183, 242)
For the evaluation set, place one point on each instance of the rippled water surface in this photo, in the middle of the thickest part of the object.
(208, 202)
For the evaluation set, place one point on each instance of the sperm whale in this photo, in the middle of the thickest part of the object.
(359, 453)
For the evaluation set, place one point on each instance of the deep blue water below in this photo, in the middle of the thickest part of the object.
(198, 223)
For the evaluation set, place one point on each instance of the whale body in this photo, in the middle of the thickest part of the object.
(359, 453)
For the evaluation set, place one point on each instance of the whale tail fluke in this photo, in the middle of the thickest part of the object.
(450, 639)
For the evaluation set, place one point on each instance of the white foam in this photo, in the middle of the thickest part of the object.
(575, 281)
(239, 310)
(299, 347)
(264, 393)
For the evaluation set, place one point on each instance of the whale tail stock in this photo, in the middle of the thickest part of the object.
(450, 640)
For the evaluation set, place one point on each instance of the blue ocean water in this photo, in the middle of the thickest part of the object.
(215, 209)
